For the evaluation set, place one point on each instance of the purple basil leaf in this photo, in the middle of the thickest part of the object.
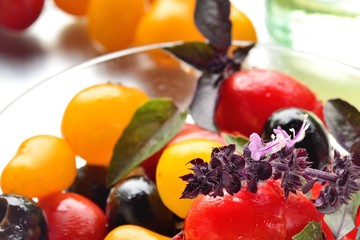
(212, 20)
(342, 221)
(308, 186)
(239, 54)
(355, 153)
(203, 106)
(200, 55)
(343, 121)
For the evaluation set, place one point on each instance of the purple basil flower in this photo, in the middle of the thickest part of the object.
(279, 160)
(280, 140)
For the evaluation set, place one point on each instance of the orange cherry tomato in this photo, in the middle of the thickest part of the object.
(77, 7)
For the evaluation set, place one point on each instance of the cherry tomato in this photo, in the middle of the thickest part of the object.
(72, 216)
(189, 131)
(134, 232)
(19, 14)
(248, 98)
(245, 215)
(298, 212)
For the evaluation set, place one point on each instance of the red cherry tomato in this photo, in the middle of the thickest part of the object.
(249, 97)
(19, 14)
(244, 215)
(72, 216)
(298, 212)
(189, 131)
(264, 215)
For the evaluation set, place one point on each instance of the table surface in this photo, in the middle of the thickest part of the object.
(58, 41)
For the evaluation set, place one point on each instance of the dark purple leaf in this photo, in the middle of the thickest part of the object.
(201, 56)
(355, 153)
(264, 170)
(308, 186)
(212, 20)
(343, 121)
(203, 106)
(252, 186)
(187, 177)
(226, 178)
(239, 54)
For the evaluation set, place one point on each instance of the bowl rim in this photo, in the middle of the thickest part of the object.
(137, 49)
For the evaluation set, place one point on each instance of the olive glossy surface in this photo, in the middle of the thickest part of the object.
(21, 219)
(135, 200)
(90, 182)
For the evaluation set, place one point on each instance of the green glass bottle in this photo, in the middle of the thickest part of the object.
(326, 27)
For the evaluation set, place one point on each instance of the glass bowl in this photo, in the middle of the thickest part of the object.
(40, 109)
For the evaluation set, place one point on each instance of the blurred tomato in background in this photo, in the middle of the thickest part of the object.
(19, 14)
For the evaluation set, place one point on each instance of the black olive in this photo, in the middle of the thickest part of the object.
(135, 200)
(90, 182)
(21, 219)
(316, 141)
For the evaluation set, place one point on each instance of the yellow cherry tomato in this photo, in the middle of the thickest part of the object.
(43, 164)
(165, 17)
(133, 232)
(173, 164)
(112, 23)
(95, 118)
(74, 7)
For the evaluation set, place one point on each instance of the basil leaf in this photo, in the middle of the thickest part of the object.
(312, 231)
(342, 221)
(212, 20)
(200, 55)
(355, 153)
(203, 106)
(239, 55)
(343, 121)
(153, 125)
(239, 141)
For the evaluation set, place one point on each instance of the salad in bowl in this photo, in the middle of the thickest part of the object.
(186, 140)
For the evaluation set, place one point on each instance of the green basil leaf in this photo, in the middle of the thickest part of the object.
(239, 141)
(152, 127)
(312, 231)
(342, 221)
(343, 121)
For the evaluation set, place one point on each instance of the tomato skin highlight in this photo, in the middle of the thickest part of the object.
(248, 97)
(72, 216)
(19, 14)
